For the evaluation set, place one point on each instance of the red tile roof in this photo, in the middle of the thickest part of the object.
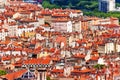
(57, 70)
(4, 42)
(61, 20)
(6, 58)
(38, 61)
(60, 39)
(60, 14)
(85, 70)
(15, 75)
(78, 55)
(94, 58)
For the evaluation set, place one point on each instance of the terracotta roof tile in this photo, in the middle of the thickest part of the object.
(60, 39)
(57, 70)
(95, 58)
(4, 42)
(78, 55)
(6, 58)
(38, 61)
(15, 75)
(85, 70)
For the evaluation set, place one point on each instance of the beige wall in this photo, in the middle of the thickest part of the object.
(47, 19)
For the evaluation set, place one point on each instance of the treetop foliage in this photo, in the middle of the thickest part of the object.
(89, 7)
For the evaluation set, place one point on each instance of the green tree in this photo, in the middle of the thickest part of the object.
(47, 4)
(118, 4)
(2, 72)
(48, 78)
(89, 7)
(99, 66)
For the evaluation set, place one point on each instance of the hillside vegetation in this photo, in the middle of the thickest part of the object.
(89, 7)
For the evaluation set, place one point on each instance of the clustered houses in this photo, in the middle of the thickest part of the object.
(60, 43)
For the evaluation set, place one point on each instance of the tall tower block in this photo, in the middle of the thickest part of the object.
(106, 5)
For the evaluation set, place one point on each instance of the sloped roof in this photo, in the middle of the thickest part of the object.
(37, 61)
(15, 75)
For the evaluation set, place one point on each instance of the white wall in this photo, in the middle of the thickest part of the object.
(15, 52)
(41, 21)
(12, 30)
(3, 35)
(109, 47)
(61, 26)
(111, 5)
(69, 26)
(21, 30)
(118, 48)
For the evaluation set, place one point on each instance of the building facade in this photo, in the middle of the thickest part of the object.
(106, 5)
(62, 26)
